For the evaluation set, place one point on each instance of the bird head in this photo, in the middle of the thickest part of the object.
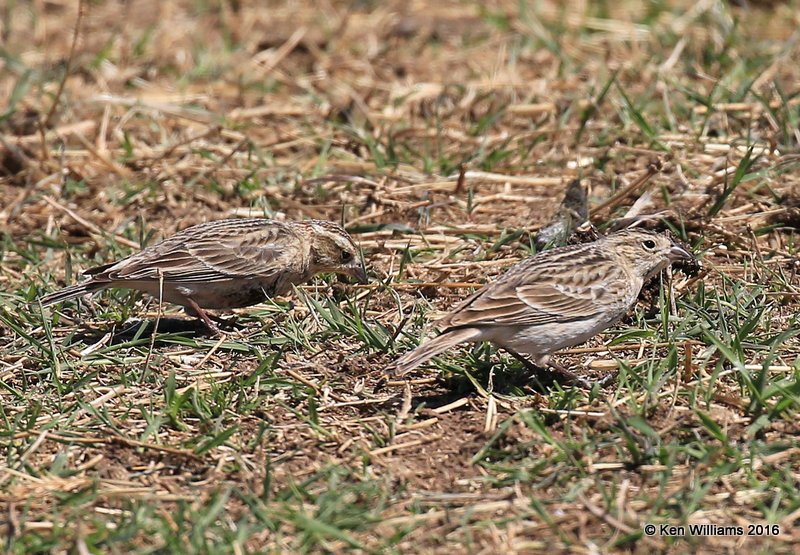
(333, 250)
(646, 251)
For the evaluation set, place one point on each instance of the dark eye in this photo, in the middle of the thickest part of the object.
(347, 256)
(649, 244)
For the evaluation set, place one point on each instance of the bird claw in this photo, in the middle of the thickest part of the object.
(571, 378)
(231, 323)
(560, 374)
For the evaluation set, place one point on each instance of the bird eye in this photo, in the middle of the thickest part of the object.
(649, 244)
(347, 256)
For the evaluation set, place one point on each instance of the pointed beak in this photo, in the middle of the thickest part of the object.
(358, 272)
(679, 253)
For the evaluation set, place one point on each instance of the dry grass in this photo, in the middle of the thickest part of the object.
(281, 435)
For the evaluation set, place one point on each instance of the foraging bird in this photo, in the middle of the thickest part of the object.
(555, 299)
(227, 264)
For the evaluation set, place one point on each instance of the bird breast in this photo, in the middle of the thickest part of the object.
(537, 341)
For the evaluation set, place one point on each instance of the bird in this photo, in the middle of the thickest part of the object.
(226, 264)
(555, 299)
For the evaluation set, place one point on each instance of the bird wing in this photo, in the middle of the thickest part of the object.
(219, 250)
(529, 295)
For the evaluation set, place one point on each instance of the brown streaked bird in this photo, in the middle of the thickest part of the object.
(227, 264)
(555, 299)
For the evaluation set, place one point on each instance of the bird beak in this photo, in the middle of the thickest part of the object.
(358, 272)
(679, 253)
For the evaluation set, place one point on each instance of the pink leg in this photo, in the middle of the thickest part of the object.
(202, 314)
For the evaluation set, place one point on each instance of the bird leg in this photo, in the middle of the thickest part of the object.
(569, 376)
(203, 315)
(565, 376)
(536, 371)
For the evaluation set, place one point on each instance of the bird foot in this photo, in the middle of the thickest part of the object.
(568, 377)
(210, 320)
(559, 374)
(231, 323)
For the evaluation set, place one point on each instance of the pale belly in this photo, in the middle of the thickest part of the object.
(539, 341)
(219, 294)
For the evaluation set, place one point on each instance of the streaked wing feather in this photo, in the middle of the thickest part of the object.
(537, 296)
(241, 249)
(562, 304)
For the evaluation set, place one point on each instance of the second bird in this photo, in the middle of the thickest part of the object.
(555, 299)
(228, 264)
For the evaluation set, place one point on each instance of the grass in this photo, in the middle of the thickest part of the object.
(444, 139)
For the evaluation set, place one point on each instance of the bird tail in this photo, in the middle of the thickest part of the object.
(431, 348)
(72, 292)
